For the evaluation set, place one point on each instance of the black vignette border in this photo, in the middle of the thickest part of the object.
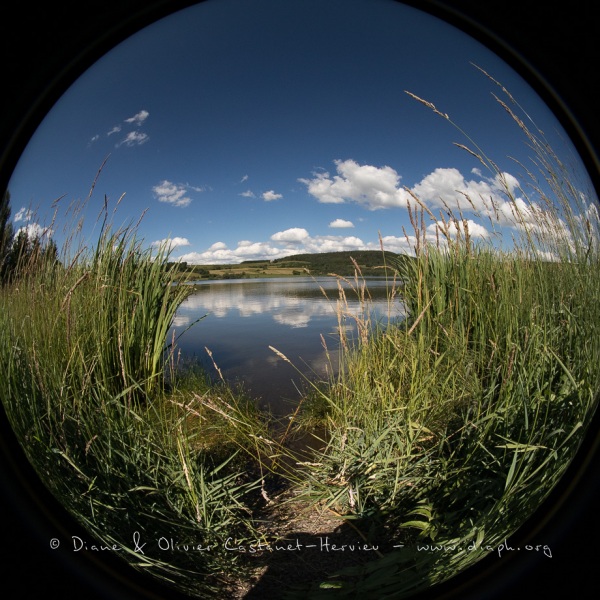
(44, 47)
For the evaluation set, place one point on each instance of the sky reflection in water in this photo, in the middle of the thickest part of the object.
(294, 315)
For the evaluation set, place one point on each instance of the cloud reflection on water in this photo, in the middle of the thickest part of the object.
(245, 317)
(292, 302)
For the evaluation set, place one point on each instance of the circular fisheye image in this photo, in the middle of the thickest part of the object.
(299, 302)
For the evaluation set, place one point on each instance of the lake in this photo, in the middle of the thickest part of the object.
(295, 315)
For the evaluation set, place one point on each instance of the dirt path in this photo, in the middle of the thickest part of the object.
(305, 546)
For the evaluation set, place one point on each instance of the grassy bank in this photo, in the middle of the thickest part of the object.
(452, 429)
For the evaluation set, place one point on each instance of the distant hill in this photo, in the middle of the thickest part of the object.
(370, 262)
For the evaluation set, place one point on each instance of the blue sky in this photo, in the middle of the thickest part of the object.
(261, 129)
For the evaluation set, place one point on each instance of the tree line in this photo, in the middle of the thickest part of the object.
(20, 251)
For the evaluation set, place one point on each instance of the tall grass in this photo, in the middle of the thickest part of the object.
(84, 353)
(452, 427)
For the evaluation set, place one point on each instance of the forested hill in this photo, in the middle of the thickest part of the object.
(370, 262)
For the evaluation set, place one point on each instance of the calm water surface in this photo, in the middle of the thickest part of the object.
(294, 315)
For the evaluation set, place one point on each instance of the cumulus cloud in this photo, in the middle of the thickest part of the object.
(172, 242)
(452, 229)
(218, 246)
(171, 193)
(220, 253)
(532, 218)
(496, 198)
(400, 245)
(138, 118)
(372, 187)
(35, 230)
(31, 229)
(270, 196)
(115, 129)
(334, 243)
(294, 235)
(341, 224)
(519, 212)
(133, 138)
(589, 220)
(447, 188)
(248, 194)
(379, 187)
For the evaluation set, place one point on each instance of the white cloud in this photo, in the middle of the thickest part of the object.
(494, 197)
(447, 188)
(519, 212)
(379, 187)
(220, 253)
(94, 138)
(452, 228)
(138, 118)
(340, 224)
(294, 235)
(400, 245)
(249, 250)
(201, 258)
(530, 217)
(171, 193)
(23, 214)
(476, 230)
(133, 138)
(271, 195)
(115, 129)
(244, 178)
(34, 230)
(248, 194)
(334, 243)
(372, 187)
(218, 246)
(589, 220)
(172, 242)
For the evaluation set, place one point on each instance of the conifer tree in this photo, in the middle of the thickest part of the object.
(6, 233)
